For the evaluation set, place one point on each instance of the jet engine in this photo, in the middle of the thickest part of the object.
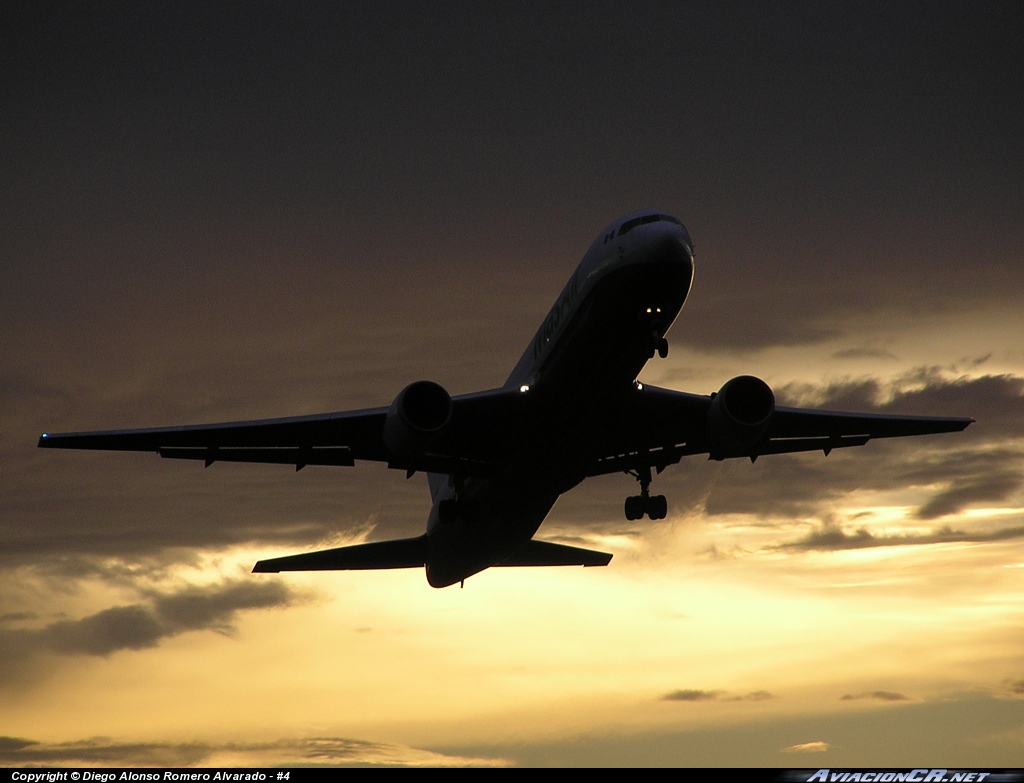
(415, 420)
(739, 416)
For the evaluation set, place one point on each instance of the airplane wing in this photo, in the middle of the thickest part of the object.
(473, 443)
(657, 427)
(649, 427)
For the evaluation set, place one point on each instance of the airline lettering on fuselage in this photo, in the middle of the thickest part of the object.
(554, 319)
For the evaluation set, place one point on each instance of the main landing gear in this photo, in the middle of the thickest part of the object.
(645, 504)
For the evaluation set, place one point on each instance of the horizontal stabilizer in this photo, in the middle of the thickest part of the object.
(400, 553)
(544, 553)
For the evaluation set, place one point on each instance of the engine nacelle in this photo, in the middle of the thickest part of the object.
(416, 419)
(739, 416)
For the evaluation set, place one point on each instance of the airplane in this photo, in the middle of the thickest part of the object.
(496, 461)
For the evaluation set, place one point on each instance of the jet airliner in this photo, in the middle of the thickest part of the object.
(496, 461)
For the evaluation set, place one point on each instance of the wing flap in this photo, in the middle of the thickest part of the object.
(283, 455)
(793, 445)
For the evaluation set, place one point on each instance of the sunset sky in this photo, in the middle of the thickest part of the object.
(215, 212)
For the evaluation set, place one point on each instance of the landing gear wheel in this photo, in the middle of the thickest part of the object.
(662, 348)
(634, 507)
(656, 507)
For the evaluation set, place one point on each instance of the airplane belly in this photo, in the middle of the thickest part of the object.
(494, 519)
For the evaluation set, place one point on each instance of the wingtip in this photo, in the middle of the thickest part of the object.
(264, 567)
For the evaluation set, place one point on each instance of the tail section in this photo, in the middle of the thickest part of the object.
(400, 553)
(545, 553)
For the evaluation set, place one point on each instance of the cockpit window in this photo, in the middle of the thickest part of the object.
(629, 225)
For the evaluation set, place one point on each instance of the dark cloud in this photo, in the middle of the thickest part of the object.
(330, 751)
(996, 401)
(879, 695)
(691, 695)
(830, 536)
(698, 695)
(8, 744)
(963, 493)
(753, 696)
(118, 628)
(198, 608)
(143, 625)
(12, 617)
(864, 353)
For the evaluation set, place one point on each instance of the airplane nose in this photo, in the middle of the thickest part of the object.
(675, 249)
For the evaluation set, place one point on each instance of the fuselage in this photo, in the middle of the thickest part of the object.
(605, 325)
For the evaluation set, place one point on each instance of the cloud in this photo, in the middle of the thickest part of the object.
(1014, 687)
(753, 696)
(698, 695)
(967, 492)
(691, 695)
(142, 625)
(808, 747)
(864, 353)
(830, 536)
(198, 608)
(13, 617)
(996, 401)
(879, 695)
(118, 628)
(327, 751)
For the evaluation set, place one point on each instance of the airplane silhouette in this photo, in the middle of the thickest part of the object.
(496, 461)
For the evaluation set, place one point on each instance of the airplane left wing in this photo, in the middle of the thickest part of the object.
(658, 427)
(473, 442)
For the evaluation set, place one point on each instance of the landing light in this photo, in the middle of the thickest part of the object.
(525, 387)
(639, 386)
